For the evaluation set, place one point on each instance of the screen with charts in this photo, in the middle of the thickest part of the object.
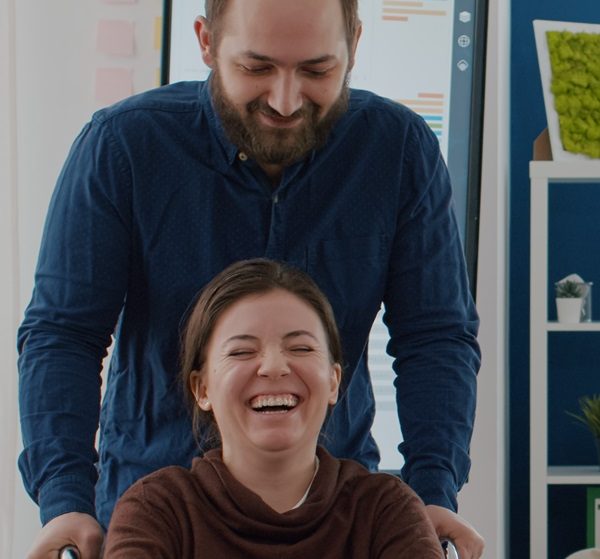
(428, 55)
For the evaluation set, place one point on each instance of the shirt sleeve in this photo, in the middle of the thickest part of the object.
(433, 326)
(80, 284)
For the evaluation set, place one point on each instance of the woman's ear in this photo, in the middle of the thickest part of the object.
(199, 390)
(336, 377)
(204, 37)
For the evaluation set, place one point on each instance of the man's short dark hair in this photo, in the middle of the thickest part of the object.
(214, 10)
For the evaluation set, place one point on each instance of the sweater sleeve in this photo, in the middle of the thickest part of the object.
(143, 525)
(403, 529)
(80, 285)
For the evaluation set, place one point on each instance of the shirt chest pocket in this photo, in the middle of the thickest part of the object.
(352, 274)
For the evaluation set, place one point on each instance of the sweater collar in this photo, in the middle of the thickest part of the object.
(246, 513)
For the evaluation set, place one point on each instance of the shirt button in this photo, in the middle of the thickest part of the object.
(242, 156)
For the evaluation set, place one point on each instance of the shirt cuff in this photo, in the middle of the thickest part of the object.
(66, 494)
(435, 487)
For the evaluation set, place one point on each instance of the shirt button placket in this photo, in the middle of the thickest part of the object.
(274, 248)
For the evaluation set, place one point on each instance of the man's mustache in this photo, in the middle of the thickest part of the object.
(306, 110)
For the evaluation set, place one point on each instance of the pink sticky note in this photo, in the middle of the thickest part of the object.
(115, 36)
(113, 84)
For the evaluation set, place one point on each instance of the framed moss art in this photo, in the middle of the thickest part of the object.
(569, 60)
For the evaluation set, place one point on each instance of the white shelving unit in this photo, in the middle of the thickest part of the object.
(541, 174)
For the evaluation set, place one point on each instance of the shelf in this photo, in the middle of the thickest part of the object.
(573, 475)
(554, 326)
(565, 171)
(541, 475)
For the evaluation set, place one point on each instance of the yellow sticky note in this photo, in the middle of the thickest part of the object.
(158, 28)
(115, 37)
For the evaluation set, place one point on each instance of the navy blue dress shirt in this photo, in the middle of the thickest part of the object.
(152, 202)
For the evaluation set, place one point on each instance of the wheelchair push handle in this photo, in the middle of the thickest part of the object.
(69, 552)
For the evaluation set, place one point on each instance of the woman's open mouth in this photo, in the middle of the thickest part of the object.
(274, 403)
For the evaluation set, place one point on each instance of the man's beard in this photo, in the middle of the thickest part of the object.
(272, 145)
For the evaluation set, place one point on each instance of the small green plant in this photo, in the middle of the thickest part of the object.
(590, 413)
(569, 289)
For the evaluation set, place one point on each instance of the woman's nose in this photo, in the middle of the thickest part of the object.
(273, 364)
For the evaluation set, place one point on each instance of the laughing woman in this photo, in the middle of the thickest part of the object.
(261, 360)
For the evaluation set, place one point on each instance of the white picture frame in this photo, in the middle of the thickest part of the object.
(540, 28)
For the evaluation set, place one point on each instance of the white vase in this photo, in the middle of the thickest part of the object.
(568, 309)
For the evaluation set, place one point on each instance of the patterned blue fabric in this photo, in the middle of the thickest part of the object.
(153, 200)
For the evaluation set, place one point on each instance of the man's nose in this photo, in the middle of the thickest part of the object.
(285, 95)
(273, 364)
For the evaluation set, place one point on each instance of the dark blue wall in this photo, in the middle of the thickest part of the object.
(574, 247)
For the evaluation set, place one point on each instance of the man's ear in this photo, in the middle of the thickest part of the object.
(198, 388)
(204, 36)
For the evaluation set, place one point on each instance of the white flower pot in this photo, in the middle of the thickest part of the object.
(586, 554)
(568, 309)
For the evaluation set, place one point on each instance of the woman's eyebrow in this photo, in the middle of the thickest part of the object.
(250, 337)
(240, 337)
(297, 333)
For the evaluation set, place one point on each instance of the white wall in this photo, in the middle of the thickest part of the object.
(56, 61)
(483, 500)
(9, 278)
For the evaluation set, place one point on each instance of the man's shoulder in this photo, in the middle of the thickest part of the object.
(386, 126)
(372, 104)
(175, 99)
(386, 120)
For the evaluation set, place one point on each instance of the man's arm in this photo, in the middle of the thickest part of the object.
(80, 285)
(449, 526)
(73, 529)
(433, 327)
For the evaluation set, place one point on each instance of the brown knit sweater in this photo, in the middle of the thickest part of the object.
(205, 512)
